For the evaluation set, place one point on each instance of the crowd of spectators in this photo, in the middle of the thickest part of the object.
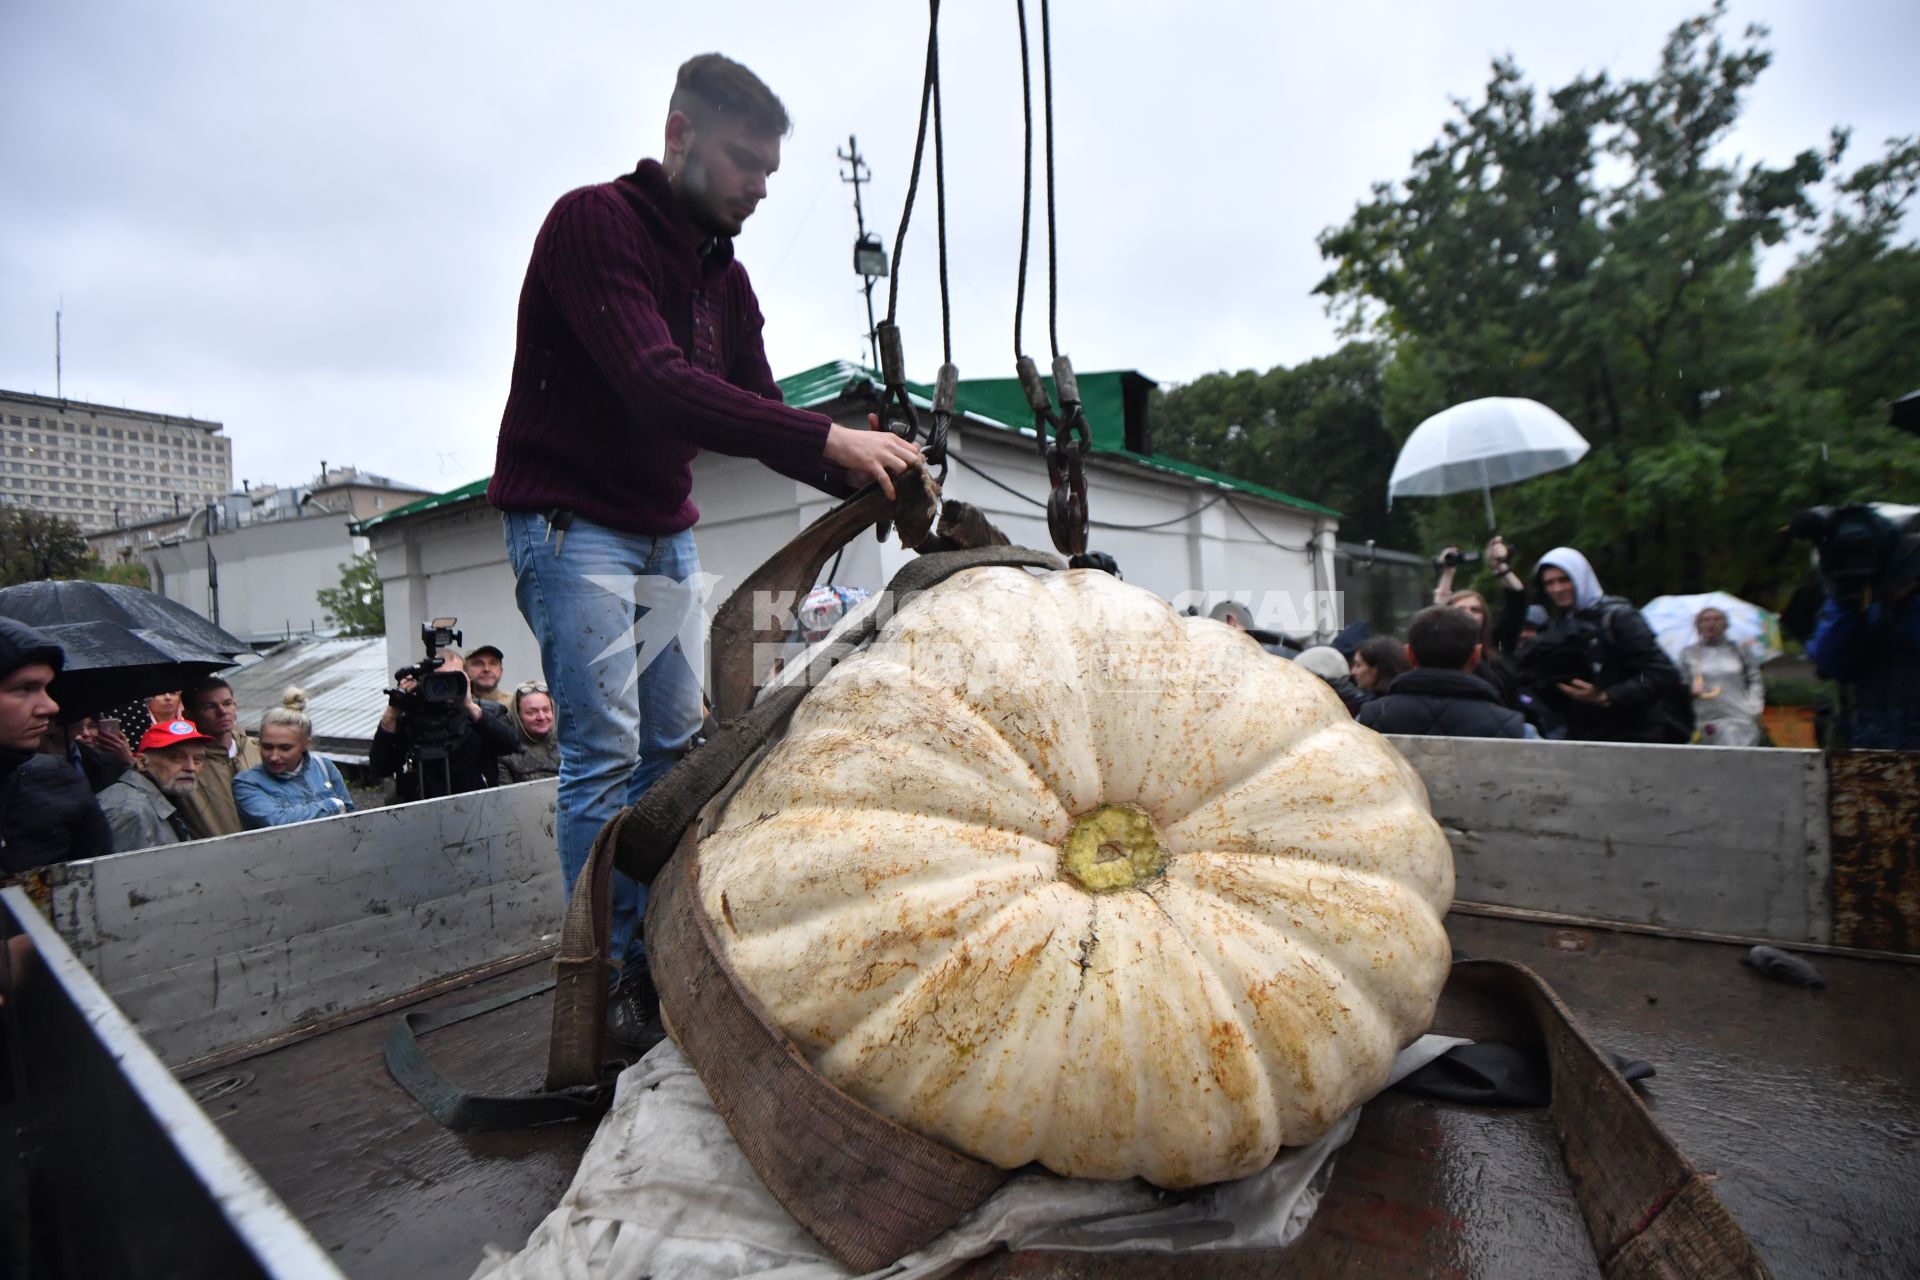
(1561, 659)
(76, 786)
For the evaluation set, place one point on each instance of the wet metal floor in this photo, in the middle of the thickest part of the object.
(378, 1182)
(1805, 1105)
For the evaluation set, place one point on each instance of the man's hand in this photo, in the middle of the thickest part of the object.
(1582, 691)
(390, 718)
(874, 456)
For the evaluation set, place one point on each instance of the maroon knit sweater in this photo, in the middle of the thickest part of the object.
(639, 345)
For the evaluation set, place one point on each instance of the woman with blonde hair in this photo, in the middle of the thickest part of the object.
(539, 753)
(293, 784)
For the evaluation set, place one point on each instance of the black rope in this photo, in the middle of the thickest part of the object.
(1161, 524)
(1026, 181)
(1104, 524)
(940, 191)
(919, 148)
(1261, 533)
(1053, 247)
(998, 484)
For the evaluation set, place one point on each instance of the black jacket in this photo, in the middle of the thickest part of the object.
(47, 814)
(1437, 703)
(1609, 645)
(473, 749)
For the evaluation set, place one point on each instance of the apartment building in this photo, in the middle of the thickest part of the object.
(103, 467)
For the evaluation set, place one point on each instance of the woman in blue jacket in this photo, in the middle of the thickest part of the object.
(293, 784)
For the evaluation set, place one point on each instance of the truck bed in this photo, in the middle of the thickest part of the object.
(1806, 1105)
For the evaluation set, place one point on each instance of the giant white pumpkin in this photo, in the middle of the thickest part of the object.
(1050, 873)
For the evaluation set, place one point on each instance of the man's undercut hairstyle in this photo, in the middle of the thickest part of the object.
(1443, 636)
(712, 88)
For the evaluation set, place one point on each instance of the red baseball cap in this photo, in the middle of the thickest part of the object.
(171, 734)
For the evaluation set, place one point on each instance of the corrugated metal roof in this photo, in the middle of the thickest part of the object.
(345, 680)
(477, 489)
(825, 383)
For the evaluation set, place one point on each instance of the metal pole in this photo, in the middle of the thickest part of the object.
(213, 570)
(857, 174)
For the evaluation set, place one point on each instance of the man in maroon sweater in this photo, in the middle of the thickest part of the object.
(639, 345)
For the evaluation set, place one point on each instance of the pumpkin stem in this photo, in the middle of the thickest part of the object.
(1113, 847)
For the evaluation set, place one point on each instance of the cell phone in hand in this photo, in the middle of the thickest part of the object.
(107, 724)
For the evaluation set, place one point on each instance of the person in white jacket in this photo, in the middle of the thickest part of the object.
(1728, 695)
(293, 784)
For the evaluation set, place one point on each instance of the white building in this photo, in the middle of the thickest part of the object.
(101, 466)
(259, 581)
(256, 561)
(1185, 533)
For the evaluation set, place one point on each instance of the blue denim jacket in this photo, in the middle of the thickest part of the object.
(268, 800)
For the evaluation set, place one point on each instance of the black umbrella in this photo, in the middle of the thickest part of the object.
(108, 664)
(51, 604)
(1904, 413)
(122, 643)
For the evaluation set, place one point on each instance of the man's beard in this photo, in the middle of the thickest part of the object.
(695, 199)
(181, 788)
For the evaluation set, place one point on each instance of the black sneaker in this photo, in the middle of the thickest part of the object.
(633, 1014)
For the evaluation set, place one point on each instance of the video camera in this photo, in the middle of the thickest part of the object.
(433, 712)
(1867, 548)
(1454, 559)
(432, 687)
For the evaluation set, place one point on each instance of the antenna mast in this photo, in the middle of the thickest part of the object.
(869, 256)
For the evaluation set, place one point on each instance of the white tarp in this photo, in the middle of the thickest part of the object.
(663, 1192)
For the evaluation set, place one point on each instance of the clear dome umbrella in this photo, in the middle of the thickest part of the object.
(1480, 444)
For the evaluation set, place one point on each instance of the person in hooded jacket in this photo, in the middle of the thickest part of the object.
(1440, 696)
(1331, 666)
(539, 755)
(1597, 662)
(47, 810)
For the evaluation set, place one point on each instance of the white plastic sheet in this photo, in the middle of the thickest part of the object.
(664, 1192)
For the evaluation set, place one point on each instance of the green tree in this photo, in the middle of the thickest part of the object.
(1589, 249)
(1315, 431)
(127, 573)
(358, 605)
(35, 545)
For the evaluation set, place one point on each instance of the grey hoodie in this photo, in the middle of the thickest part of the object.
(1586, 585)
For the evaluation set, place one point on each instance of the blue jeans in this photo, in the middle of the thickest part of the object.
(618, 620)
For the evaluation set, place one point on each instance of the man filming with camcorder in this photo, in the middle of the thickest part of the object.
(1868, 636)
(435, 738)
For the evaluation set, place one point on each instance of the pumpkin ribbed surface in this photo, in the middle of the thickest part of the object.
(1050, 873)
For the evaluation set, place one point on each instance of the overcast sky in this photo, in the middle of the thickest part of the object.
(310, 222)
